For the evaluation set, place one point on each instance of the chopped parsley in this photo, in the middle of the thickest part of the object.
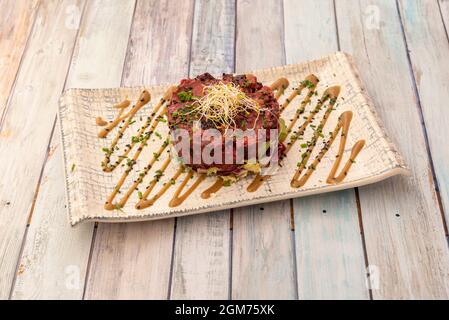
(185, 96)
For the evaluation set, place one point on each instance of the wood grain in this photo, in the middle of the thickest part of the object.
(133, 260)
(54, 259)
(55, 256)
(429, 57)
(262, 257)
(213, 37)
(15, 26)
(201, 261)
(329, 249)
(404, 233)
(27, 127)
(259, 47)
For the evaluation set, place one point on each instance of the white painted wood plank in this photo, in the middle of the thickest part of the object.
(55, 256)
(309, 30)
(429, 52)
(29, 122)
(15, 26)
(329, 249)
(159, 48)
(201, 261)
(213, 37)
(403, 227)
(54, 261)
(259, 42)
(133, 261)
(262, 258)
(262, 253)
(101, 49)
(202, 256)
(444, 8)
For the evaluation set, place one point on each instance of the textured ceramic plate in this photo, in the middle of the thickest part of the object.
(88, 186)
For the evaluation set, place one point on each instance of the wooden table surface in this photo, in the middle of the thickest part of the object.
(383, 241)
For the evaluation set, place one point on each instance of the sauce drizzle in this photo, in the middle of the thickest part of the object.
(218, 184)
(178, 198)
(145, 132)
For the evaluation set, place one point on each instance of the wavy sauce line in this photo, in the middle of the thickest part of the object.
(123, 121)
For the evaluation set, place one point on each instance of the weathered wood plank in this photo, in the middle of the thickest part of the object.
(27, 127)
(429, 57)
(262, 257)
(15, 26)
(310, 30)
(262, 253)
(213, 37)
(329, 249)
(159, 48)
(403, 228)
(444, 8)
(201, 257)
(44, 272)
(101, 48)
(133, 260)
(258, 47)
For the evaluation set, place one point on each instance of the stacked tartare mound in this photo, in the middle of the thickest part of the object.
(227, 104)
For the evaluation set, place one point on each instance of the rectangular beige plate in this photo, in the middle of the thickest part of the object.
(88, 186)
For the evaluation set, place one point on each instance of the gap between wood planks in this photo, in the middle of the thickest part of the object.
(190, 68)
(36, 193)
(94, 233)
(442, 19)
(356, 189)
(435, 182)
(175, 223)
(30, 214)
(421, 118)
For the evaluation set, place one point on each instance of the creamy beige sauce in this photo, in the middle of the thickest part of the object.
(144, 99)
(279, 87)
(218, 184)
(145, 203)
(145, 132)
(312, 78)
(258, 179)
(343, 123)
